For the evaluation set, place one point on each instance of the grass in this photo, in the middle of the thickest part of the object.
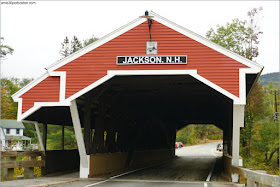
(271, 168)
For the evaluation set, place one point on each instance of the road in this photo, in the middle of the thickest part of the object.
(194, 163)
(194, 166)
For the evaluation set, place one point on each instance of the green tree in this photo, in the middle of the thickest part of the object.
(24, 82)
(269, 92)
(75, 45)
(9, 86)
(89, 41)
(65, 51)
(254, 112)
(5, 49)
(30, 132)
(268, 142)
(230, 36)
(241, 37)
(192, 134)
(8, 106)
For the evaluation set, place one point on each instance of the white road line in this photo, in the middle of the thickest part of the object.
(205, 184)
(97, 183)
(156, 181)
(213, 153)
(113, 177)
(210, 174)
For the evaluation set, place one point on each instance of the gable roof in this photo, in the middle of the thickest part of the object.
(11, 123)
(256, 68)
(165, 22)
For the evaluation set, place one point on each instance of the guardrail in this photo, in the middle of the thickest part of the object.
(247, 176)
(28, 165)
(255, 178)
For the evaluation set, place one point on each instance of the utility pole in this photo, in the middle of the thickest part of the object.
(276, 104)
(275, 93)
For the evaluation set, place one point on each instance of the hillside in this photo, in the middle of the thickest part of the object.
(266, 78)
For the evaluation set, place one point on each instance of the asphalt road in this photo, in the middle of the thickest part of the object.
(193, 166)
(194, 163)
(155, 183)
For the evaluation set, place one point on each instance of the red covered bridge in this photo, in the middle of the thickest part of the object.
(122, 86)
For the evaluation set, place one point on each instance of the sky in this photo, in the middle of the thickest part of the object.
(36, 30)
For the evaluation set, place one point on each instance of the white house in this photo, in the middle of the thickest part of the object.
(11, 135)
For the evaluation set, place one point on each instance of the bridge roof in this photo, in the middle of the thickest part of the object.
(82, 71)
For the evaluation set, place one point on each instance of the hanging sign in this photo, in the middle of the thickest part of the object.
(151, 48)
(126, 60)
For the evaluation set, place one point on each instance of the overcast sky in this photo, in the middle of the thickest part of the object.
(36, 31)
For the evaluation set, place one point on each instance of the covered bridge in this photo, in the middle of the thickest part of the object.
(139, 84)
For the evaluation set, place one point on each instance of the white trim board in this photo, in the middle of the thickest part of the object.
(62, 75)
(111, 73)
(38, 105)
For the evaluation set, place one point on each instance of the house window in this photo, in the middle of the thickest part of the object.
(17, 131)
(7, 131)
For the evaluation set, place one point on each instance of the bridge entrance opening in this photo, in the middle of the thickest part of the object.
(199, 148)
(131, 121)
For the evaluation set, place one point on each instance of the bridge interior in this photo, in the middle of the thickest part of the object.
(142, 113)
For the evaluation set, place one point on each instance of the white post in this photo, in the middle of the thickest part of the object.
(39, 136)
(238, 121)
(84, 158)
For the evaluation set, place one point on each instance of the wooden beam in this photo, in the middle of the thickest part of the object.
(87, 124)
(20, 164)
(10, 171)
(29, 171)
(98, 138)
(78, 133)
(62, 137)
(166, 133)
(21, 153)
(45, 134)
(42, 145)
(110, 140)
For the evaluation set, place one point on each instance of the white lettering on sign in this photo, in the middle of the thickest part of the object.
(180, 59)
(168, 59)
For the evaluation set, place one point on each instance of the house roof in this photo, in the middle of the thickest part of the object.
(17, 138)
(11, 123)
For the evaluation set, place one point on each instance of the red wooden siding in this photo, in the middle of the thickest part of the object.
(92, 66)
(210, 64)
(45, 91)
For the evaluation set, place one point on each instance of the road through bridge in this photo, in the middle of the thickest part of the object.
(194, 166)
(127, 94)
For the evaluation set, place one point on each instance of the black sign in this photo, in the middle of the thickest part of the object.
(123, 60)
